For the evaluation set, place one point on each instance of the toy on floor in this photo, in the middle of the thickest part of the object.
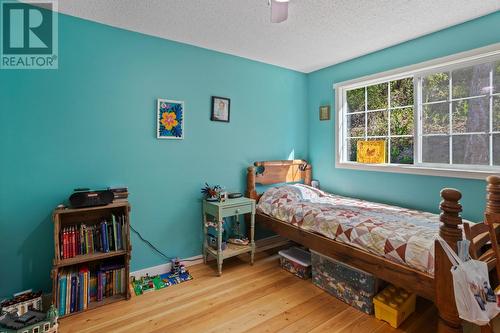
(29, 321)
(394, 305)
(178, 274)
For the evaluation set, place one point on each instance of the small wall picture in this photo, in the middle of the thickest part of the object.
(324, 112)
(221, 107)
(170, 119)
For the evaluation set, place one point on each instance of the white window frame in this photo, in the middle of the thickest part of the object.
(459, 60)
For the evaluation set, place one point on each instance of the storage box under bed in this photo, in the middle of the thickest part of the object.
(351, 285)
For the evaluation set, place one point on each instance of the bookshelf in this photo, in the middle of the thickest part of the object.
(95, 256)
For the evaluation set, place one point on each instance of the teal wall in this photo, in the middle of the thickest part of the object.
(92, 123)
(415, 191)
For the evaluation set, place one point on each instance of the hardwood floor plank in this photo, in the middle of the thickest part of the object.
(255, 312)
(315, 319)
(292, 315)
(339, 321)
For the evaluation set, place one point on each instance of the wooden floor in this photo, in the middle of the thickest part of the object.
(259, 298)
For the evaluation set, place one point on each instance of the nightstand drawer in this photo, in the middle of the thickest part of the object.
(236, 210)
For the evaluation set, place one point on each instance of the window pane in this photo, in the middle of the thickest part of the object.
(496, 77)
(377, 96)
(471, 81)
(402, 92)
(436, 118)
(356, 100)
(496, 113)
(377, 123)
(435, 149)
(496, 149)
(471, 149)
(435, 87)
(356, 124)
(402, 121)
(402, 150)
(352, 146)
(471, 115)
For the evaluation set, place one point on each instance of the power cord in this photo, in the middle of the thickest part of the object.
(155, 248)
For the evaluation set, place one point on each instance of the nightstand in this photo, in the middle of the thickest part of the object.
(220, 210)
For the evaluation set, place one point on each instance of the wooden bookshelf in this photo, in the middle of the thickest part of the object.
(91, 216)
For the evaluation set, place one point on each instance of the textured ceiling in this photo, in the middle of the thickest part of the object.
(318, 33)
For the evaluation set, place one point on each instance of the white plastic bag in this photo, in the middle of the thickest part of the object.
(476, 301)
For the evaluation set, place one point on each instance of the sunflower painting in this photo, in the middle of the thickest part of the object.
(170, 119)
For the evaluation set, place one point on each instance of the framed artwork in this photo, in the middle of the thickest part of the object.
(221, 107)
(170, 119)
(371, 151)
(324, 112)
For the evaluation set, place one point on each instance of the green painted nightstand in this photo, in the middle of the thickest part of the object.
(220, 210)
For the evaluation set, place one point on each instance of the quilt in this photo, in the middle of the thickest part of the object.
(402, 235)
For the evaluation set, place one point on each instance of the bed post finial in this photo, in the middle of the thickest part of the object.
(449, 322)
(450, 216)
(493, 194)
(251, 192)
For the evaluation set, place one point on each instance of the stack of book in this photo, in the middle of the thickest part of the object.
(77, 288)
(120, 194)
(87, 239)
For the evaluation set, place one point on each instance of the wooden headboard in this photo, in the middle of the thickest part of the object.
(275, 172)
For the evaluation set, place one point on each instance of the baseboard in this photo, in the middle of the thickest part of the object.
(263, 244)
(165, 268)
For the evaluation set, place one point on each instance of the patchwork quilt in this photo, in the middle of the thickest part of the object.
(403, 235)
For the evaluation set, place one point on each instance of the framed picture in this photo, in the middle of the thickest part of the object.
(324, 112)
(221, 107)
(170, 119)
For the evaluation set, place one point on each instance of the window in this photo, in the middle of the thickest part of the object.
(441, 117)
(36, 329)
(46, 327)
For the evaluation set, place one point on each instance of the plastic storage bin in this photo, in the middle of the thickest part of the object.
(394, 305)
(296, 261)
(351, 285)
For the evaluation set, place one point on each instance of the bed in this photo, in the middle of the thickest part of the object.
(302, 213)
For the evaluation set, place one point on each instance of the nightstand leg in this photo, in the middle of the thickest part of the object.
(205, 242)
(252, 236)
(220, 227)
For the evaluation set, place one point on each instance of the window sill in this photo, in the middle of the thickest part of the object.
(419, 170)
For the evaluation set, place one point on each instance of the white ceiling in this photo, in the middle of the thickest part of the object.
(318, 33)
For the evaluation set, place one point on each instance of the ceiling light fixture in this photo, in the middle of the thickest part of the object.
(279, 10)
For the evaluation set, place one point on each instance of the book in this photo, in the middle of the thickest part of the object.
(104, 237)
(115, 241)
(68, 292)
(73, 293)
(62, 295)
(93, 288)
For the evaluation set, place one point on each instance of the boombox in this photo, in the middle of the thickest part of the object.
(87, 198)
